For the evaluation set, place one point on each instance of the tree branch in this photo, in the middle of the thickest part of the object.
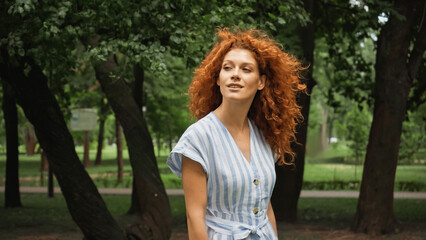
(418, 49)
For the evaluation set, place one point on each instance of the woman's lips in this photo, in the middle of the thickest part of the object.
(235, 86)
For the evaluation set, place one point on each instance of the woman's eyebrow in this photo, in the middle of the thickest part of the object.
(243, 63)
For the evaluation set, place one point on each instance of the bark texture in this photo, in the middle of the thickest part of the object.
(12, 196)
(102, 118)
(29, 139)
(98, 160)
(155, 214)
(119, 143)
(290, 178)
(85, 204)
(86, 159)
(137, 92)
(395, 69)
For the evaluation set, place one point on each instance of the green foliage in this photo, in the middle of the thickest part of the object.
(413, 135)
(355, 128)
(318, 112)
(137, 32)
(315, 112)
(347, 32)
(166, 112)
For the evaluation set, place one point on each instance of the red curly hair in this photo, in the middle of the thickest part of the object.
(274, 108)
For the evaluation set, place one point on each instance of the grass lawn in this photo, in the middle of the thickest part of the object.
(346, 172)
(43, 216)
(316, 176)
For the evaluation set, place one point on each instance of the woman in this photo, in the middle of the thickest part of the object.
(244, 97)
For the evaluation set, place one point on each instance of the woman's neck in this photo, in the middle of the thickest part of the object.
(233, 116)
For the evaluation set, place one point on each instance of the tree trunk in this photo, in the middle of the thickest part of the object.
(137, 88)
(289, 180)
(29, 139)
(50, 183)
(137, 92)
(119, 143)
(12, 197)
(395, 68)
(98, 160)
(102, 119)
(155, 213)
(84, 202)
(324, 141)
(86, 160)
(330, 121)
(44, 166)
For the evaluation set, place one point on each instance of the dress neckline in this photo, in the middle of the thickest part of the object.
(248, 161)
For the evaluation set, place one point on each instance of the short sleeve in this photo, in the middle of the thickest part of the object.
(192, 145)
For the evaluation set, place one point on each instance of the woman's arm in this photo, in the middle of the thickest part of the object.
(271, 217)
(194, 182)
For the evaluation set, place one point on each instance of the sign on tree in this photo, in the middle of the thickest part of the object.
(83, 119)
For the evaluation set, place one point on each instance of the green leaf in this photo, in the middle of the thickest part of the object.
(271, 15)
(282, 8)
(21, 52)
(27, 7)
(61, 13)
(271, 26)
(175, 39)
(281, 21)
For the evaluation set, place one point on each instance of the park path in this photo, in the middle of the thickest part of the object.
(177, 192)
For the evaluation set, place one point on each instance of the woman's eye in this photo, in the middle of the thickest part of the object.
(227, 68)
(246, 69)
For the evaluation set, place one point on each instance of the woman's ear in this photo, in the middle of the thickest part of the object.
(261, 82)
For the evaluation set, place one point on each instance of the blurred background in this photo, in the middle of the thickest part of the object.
(103, 83)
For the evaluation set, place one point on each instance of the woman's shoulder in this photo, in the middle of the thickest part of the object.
(201, 128)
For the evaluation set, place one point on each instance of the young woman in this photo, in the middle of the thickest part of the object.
(244, 97)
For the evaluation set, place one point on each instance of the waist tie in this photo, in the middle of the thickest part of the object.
(236, 229)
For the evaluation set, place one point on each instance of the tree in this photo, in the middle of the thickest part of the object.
(44, 36)
(30, 140)
(41, 108)
(290, 178)
(142, 38)
(400, 48)
(12, 197)
(119, 143)
(152, 197)
(103, 114)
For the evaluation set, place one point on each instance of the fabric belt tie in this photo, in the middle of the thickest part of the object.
(236, 229)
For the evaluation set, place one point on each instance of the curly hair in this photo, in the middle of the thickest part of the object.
(274, 108)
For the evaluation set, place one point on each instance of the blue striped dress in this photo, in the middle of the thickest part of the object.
(238, 191)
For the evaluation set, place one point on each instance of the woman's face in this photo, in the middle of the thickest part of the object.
(239, 77)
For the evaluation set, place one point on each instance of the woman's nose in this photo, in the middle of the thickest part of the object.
(235, 75)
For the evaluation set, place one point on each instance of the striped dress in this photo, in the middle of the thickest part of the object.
(238, 191)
